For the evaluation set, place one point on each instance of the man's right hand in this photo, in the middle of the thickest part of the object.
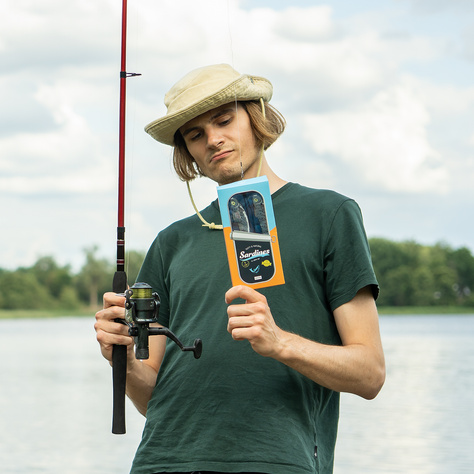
(108, 331)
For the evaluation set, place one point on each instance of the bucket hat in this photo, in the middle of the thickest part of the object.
(202, 90)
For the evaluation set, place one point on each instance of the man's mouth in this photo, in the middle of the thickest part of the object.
(220, 155)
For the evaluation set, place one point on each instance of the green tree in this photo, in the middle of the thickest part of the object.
(133, 262)
(52, 276)
(412, 274)
(462, 261)
(68, 298)
(394, 264)
(397, 287)
(94, 278)
(444, 276)
(422, 293)
(409, 274)
(386, 255)
(22, 290)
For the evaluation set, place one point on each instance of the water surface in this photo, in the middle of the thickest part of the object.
(56, 402)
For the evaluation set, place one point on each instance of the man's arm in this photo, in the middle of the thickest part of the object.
(357, 366)
(141, 374)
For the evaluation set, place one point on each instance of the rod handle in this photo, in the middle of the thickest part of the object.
(119, 366)
(119, 375)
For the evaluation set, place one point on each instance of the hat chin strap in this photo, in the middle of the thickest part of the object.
(212, 225)
(262, 104)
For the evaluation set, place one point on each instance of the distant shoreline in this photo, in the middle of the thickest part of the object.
(45, 313)
(420, 310)
(90, 313)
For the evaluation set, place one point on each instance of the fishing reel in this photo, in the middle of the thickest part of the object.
(142, 306)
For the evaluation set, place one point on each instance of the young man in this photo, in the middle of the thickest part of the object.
(264, 397)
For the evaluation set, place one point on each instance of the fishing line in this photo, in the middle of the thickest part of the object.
(212, 225)
(230, 34)
(229, 29)
(260, 158)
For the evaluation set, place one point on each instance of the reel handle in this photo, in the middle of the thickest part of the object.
(196, 348)
(142, 307)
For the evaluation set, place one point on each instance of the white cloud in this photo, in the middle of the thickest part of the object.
(66, 158)
(444, 100)
(305, 24)
(383, 142)
(348, 84)
(49, 35)
(433, 6)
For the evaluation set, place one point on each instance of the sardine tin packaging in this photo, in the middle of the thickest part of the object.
(250, 233)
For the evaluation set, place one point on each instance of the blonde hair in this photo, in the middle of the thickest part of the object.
(266, 128)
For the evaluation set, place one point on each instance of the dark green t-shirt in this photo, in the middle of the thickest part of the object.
(234, 410)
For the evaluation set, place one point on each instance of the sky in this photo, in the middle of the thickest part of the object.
(378, 96)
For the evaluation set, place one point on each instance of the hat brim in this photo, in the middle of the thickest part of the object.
(244, 88)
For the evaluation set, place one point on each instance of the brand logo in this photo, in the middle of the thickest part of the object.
(256, 253)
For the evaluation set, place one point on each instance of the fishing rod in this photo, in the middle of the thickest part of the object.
(119, 285)
(142, 305)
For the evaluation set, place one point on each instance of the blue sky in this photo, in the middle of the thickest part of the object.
(378, 96)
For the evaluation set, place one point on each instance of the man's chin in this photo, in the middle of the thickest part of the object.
(229, 176)
(230, 173)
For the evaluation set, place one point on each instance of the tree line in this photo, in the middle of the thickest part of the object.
(409, 274)
(47, 285)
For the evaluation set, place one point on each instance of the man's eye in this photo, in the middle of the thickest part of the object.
(195, 136)
(225, 121)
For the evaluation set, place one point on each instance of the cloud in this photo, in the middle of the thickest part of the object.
(49, 35)
(366, 93)
(384, 142)
(56, 160)
(20, 110)
(468, 42)
(434, 6)
(305, 24)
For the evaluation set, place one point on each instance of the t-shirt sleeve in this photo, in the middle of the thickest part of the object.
(348, 264)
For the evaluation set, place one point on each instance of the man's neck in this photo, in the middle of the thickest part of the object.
(274, 181)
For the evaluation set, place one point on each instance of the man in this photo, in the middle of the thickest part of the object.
(264, 397)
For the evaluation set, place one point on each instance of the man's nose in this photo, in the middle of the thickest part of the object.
(214, 138)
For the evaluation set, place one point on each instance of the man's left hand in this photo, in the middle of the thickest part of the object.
(253, 321)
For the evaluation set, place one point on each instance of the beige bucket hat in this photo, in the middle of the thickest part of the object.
(202, 90)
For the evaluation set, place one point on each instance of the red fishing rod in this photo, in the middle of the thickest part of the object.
(141, 303)
(119, 354)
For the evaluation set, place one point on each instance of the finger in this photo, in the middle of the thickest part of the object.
(237, 335)
(250, 333)
(247, 309)
(110, 313)
(110, 326)
(240, 322)
(112, 299)
(241, 310)
(244, 292)
(108, 339)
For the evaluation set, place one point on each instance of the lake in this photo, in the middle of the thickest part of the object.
(56, 402)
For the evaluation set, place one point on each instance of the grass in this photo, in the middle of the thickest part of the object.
(46, 313)
(90, 312)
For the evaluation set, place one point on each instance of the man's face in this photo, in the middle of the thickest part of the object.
(221, 139)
